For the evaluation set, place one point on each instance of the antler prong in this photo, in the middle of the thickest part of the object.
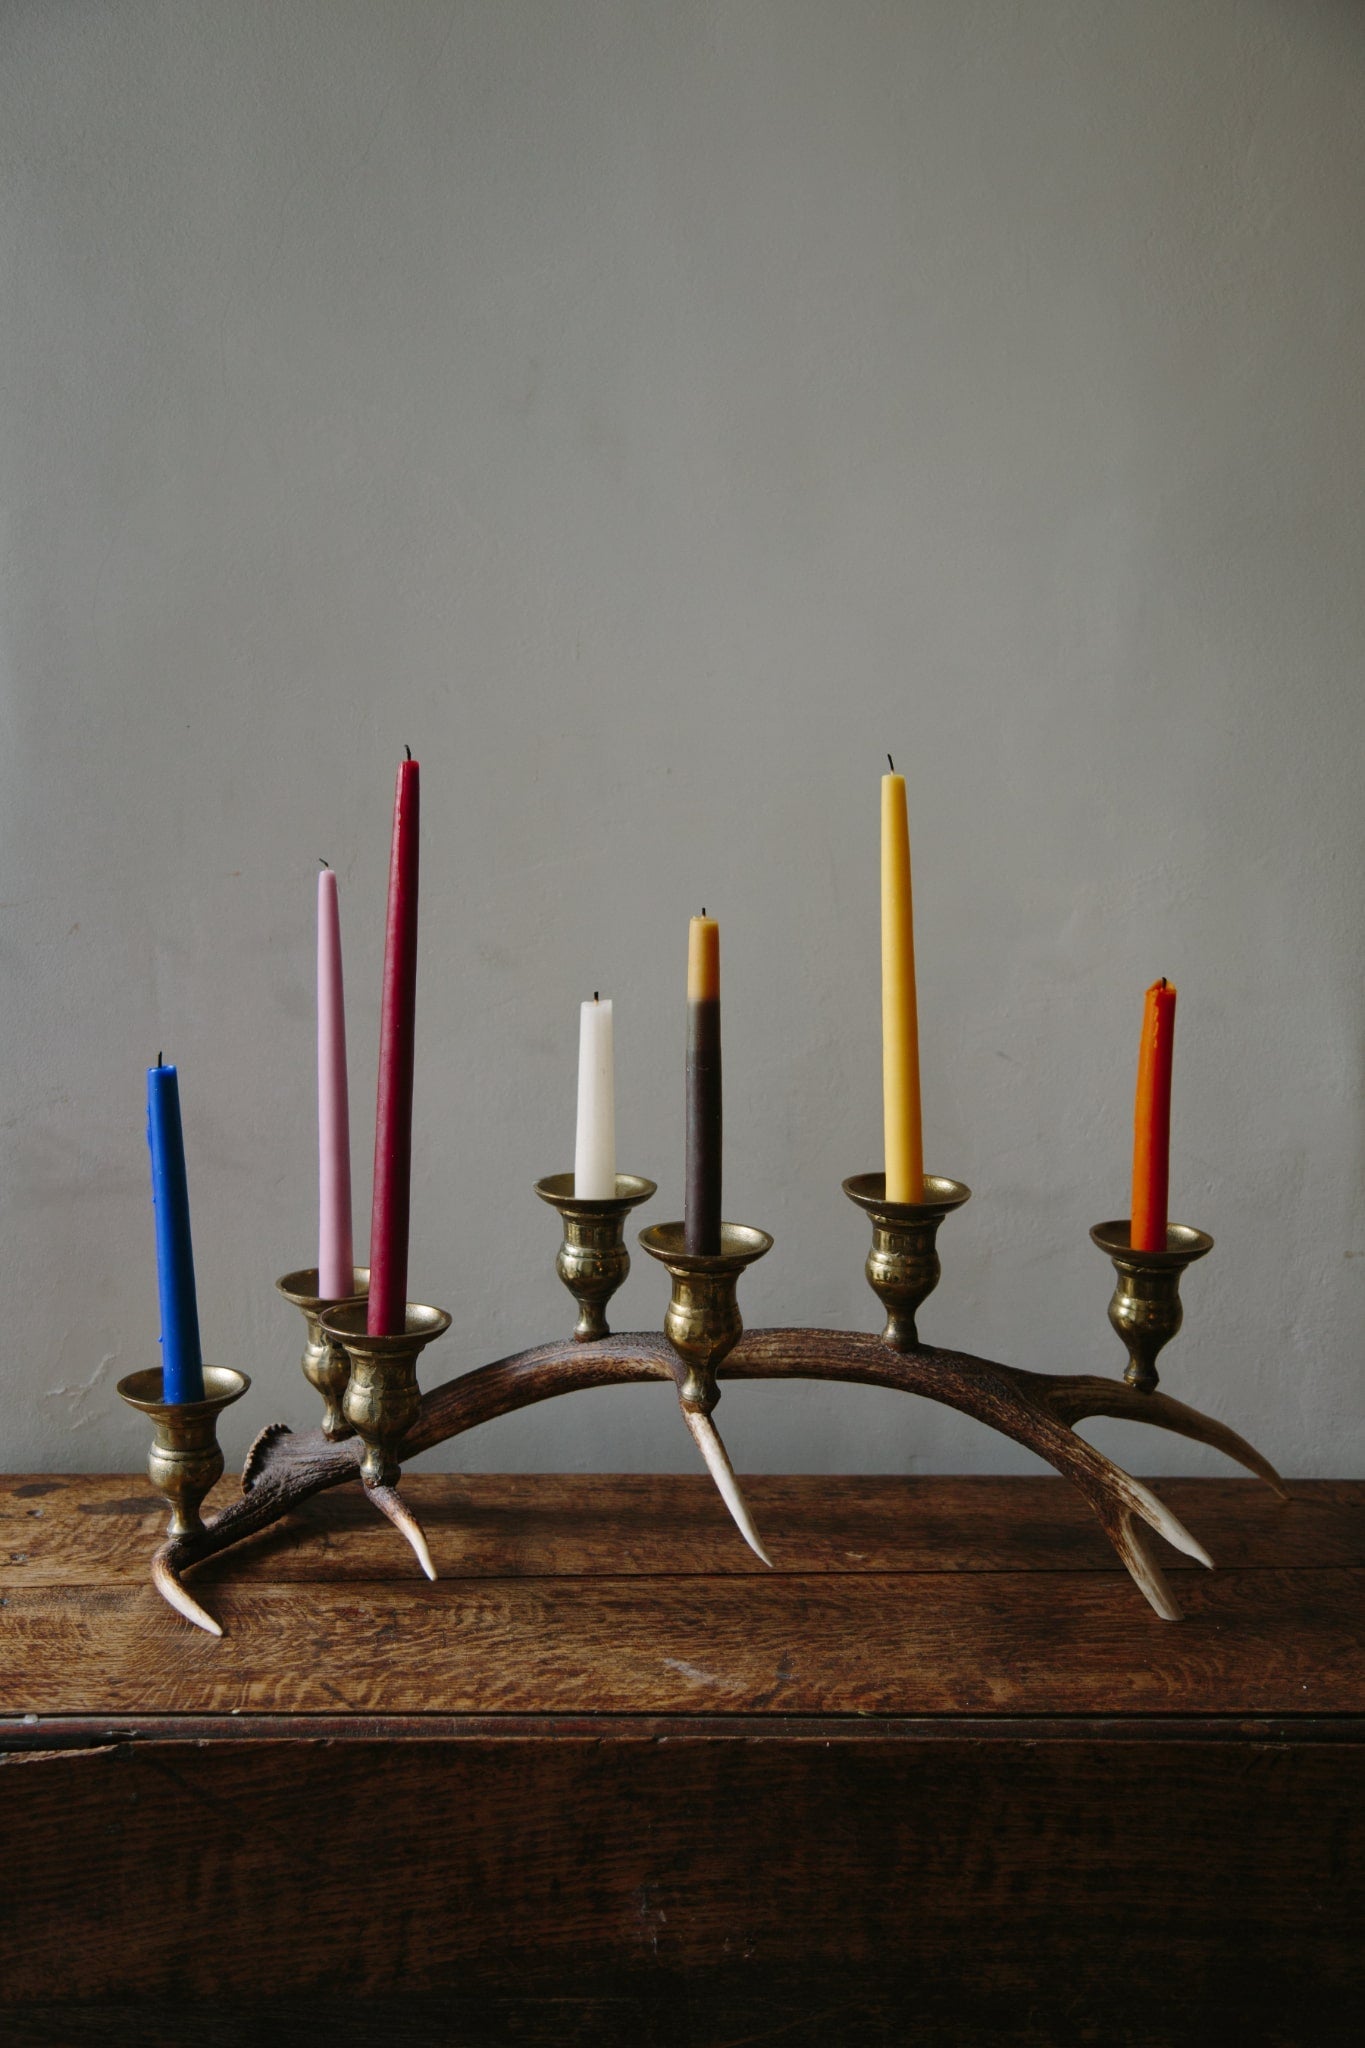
(1134, 1547)
(167, 1582)
(1163, 1521)
(391, 1503)
(1072, 1399)
(708, 1442)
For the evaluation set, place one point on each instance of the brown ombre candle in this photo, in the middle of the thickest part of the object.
(702, 1225)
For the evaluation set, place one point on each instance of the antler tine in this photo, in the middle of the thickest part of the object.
(1146, 1504)
(707, 1439)
(1073, 1399)
(167, 1582)
(389, 1502)
(1134, 1546)
(1114, 1494)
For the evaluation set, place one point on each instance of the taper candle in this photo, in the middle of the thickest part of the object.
(1152, 1121)
(391, 1198)
(900, 1017)
(336, 1251)
(594, 1163)
(703, 1173)
(182, 1364)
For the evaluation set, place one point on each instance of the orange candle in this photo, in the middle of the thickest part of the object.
(1152, 1121)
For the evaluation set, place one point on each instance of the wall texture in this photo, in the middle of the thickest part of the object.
(653, 414)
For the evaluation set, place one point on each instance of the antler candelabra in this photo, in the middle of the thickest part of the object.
(374, 1413)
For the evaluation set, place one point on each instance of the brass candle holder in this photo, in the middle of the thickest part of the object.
(325, 1364)
(382, 1401)
(183, 1464)
(703, 1336)
(703, 1325)
(593, 1260)
(1145, 1307)
(903, 1267)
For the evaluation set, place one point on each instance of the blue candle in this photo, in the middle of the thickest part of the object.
(182, 1364)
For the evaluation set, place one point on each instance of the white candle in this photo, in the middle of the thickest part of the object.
(594, 1165)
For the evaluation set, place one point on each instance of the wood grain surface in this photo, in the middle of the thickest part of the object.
(633, 1596)
(64, 1530)
(938, 1777)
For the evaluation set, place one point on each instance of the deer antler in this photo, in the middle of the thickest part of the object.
(1035, 1409)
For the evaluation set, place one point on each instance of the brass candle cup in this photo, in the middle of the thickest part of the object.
(1145, 1307)
(325, 1365)
(903, 1266)
(382, 1397)
(593, 1260)
(703, 1322)
(184, 1461)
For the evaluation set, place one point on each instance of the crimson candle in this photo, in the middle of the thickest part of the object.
(393, 1111)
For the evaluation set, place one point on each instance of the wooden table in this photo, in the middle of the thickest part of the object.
(942, 1776)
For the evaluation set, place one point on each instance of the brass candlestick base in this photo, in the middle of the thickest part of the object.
(325, 1365)
(703, 1325)
(1145, 1309)
(903, 1265)
(184, 1461)
(593, 1260)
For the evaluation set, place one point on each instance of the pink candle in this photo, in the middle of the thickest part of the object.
(336, 1254)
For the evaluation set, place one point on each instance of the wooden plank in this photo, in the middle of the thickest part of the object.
(82, 1531)
(1068, 1877)
(1254, 1642)
(793, 2008)
(37, 1733)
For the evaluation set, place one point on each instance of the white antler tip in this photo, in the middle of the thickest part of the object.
(391, 1503)
(707, 1438)
(1170, 1526)
(171, 1591)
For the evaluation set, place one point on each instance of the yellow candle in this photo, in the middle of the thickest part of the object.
(900, 1019)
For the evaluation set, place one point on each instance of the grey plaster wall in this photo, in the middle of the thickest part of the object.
(654, 413)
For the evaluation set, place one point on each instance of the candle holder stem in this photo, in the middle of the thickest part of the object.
(1145, 1308)
(593, 1260)
(903, 1266)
